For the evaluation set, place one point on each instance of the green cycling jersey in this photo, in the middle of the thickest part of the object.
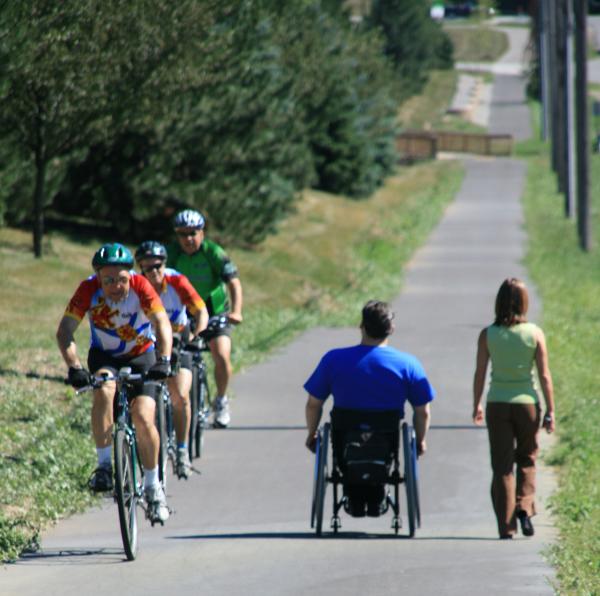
(209, 270)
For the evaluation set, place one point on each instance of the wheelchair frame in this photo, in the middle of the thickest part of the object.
(409, 478)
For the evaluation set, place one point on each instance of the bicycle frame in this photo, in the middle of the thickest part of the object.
(199, 408)
(123, 421)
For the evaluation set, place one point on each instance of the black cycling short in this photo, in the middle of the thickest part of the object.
(98, 359)
(210, 335)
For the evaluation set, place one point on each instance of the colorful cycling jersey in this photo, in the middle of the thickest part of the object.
(178, 293)
(122, 328)
(208, 270)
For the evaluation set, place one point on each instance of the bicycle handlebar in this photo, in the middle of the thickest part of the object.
(196, 346)
(122, 376)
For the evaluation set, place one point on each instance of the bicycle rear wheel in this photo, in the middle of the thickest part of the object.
(200, 419)
(126, 492)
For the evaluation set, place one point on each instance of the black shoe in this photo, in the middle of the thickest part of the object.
(506, 536)
(101, 480)
(526, 525)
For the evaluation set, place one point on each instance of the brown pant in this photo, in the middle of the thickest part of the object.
(512, 430)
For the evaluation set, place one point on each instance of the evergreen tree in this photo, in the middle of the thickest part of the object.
(414, 42)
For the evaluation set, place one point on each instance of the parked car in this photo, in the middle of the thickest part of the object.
(459, 9)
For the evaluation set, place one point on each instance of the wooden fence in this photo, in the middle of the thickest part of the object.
(415, 145)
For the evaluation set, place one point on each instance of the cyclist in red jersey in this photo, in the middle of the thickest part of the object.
(177, 295)
(122, 308)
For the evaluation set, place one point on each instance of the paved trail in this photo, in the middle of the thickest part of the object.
(241, 527)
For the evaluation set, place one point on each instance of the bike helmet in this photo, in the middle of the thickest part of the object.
(150, 248)
(112, 254)
(189, 219)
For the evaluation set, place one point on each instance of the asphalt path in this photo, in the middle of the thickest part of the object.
(241, 526)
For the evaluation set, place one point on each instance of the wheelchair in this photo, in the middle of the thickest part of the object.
(365, 461)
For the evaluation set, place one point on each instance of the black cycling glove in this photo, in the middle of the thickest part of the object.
(159, 370)
(79, 377)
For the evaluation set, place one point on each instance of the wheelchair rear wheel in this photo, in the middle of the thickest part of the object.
(409, 478)
(320, 480)
(413, 443)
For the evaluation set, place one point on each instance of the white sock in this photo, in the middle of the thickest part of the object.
(104, 456)
(221, 398)
(151, 477)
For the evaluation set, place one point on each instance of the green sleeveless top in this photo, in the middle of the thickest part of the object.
(512, 352)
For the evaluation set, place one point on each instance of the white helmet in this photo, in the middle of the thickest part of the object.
(189, 219)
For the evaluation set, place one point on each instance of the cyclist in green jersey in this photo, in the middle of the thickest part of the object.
(215, 278)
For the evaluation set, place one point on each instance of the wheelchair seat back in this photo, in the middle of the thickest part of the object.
(365, 444)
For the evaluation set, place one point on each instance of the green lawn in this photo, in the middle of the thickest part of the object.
(429, 110)
(477, 44)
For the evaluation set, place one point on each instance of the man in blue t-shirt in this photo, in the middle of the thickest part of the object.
(370, 376)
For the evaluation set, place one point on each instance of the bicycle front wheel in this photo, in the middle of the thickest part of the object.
(126, 492)
(163, 447)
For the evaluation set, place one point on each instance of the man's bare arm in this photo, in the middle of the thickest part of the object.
(314, 411)
(421, 421)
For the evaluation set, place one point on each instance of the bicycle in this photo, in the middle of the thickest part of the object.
(128, 470)
(199, 393)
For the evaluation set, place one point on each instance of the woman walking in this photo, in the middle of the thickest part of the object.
(513, 412)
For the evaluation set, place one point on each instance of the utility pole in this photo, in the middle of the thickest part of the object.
(553, 81)
(570, 108)
(561, 98)
(583, 202)
(544, 25)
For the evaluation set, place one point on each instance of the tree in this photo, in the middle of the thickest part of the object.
(414, 42)
(346, 93)
(72, 71)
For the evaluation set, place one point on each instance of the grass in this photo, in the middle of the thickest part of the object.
(326, 261)
(477, 44)
(570, 289)
(429, 110)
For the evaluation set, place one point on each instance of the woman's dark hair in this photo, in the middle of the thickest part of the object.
(377, 319)
(512, 303)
